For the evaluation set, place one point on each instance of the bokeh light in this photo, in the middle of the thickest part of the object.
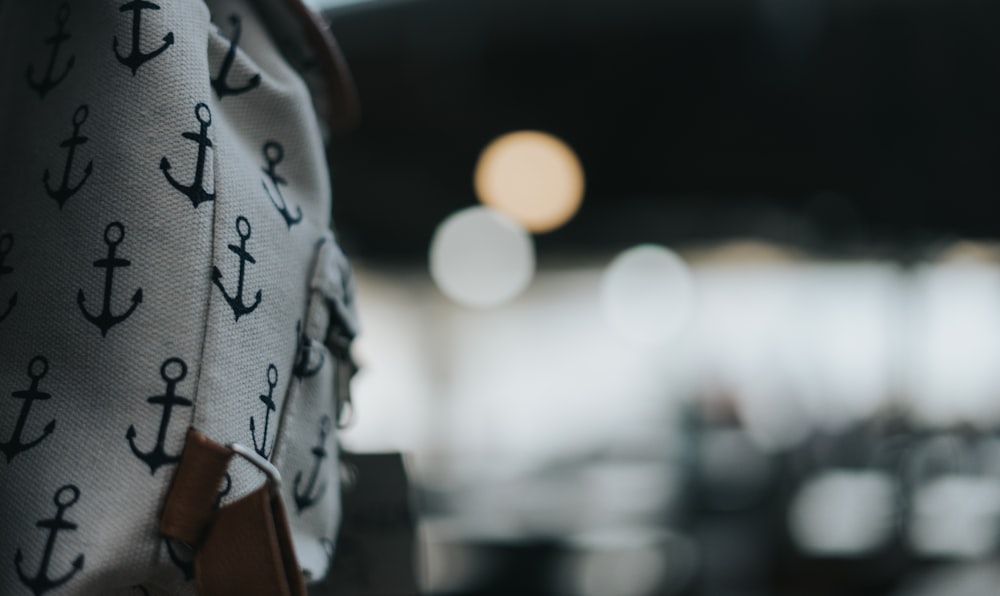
(956, 516)
(531, 176)
(648, 294)
(628, 561)
(844, 513)
(952, 376)
(481, 258)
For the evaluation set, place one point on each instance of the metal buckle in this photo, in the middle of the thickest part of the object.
(273, 476)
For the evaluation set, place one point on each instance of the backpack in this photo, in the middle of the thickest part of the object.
(176, 315)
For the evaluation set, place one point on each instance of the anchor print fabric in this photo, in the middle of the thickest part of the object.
(166, 262)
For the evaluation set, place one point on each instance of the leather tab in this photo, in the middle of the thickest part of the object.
(248, 551)
(190, 502)
(242, 549)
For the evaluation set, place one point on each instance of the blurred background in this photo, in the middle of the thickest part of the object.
(681, 297)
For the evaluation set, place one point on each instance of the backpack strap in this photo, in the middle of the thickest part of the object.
(342, 110)
(305, 40)
(244, 548)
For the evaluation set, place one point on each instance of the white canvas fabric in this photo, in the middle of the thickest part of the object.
(166, 262)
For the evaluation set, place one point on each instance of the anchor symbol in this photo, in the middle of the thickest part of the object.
(302, 370)
(225, 491)
(113, 235)
(274, 153)
(137, 58)
(158, 456)
(328, 546)
(65, 191)
(196, 192)
(219, 83)
(64, 498)
(236, 302)
(303, 500)
(48, 82)
(37, 369)
(6, 244)
(268, 400)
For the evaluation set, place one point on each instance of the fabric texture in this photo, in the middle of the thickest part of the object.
(166, 262)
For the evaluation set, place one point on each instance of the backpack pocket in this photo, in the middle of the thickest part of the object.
(318, 399)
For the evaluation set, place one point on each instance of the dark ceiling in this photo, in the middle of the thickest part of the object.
(844, 126)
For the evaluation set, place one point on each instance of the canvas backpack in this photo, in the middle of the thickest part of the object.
(175, 313)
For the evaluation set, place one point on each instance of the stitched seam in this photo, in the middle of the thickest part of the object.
(293, 390)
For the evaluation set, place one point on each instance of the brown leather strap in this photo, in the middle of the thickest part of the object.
(248, 551)
(189, 509)
(244, 548)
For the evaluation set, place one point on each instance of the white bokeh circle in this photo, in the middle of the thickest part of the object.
(647, 294)
(481, 258)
